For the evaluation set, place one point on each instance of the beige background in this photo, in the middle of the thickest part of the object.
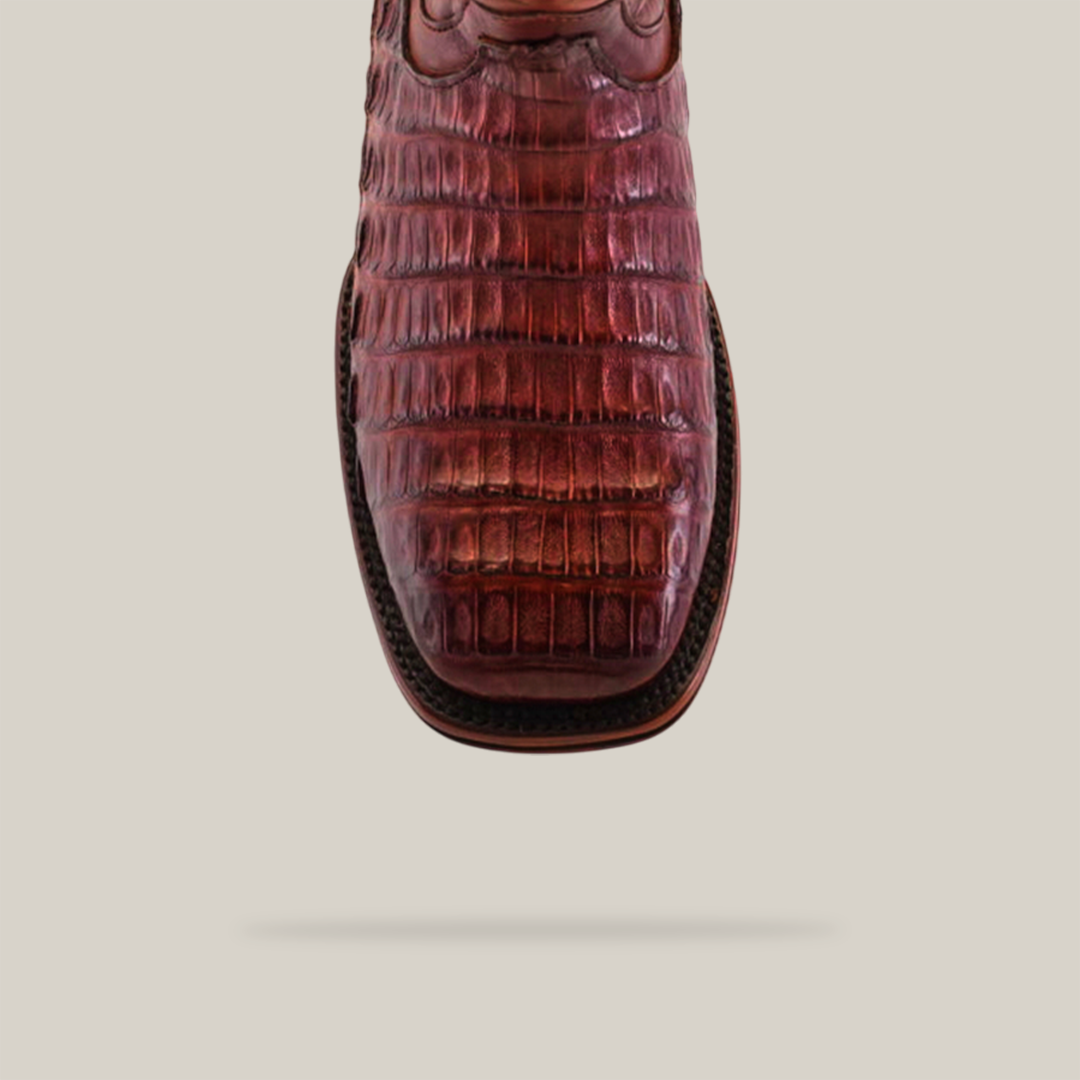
(230, 850)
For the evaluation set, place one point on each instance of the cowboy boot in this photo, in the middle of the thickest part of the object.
(537, 422)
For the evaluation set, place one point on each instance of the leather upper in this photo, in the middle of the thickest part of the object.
(532, 374)
(635, 36)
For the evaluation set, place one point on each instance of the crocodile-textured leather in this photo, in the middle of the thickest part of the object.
(532, 385)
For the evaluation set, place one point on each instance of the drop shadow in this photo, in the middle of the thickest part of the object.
(542, 930)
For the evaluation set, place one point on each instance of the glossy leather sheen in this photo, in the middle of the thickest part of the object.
(532, 373)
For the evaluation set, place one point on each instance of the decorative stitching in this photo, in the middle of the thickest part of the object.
(643, 30)
(488, 50)
(440, 26)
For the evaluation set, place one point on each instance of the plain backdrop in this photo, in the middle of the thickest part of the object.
(229, 848)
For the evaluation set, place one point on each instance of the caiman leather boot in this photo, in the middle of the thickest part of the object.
(537, 422)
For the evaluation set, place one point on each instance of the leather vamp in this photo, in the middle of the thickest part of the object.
(532, 370)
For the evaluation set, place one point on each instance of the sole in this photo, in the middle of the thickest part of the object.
(551, 727)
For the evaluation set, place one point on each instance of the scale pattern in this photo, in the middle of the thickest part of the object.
(532, 374)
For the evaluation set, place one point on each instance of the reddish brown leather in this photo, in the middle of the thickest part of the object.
(532, 375)
(635, 37)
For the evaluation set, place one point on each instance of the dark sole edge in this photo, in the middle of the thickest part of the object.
(550, 727)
